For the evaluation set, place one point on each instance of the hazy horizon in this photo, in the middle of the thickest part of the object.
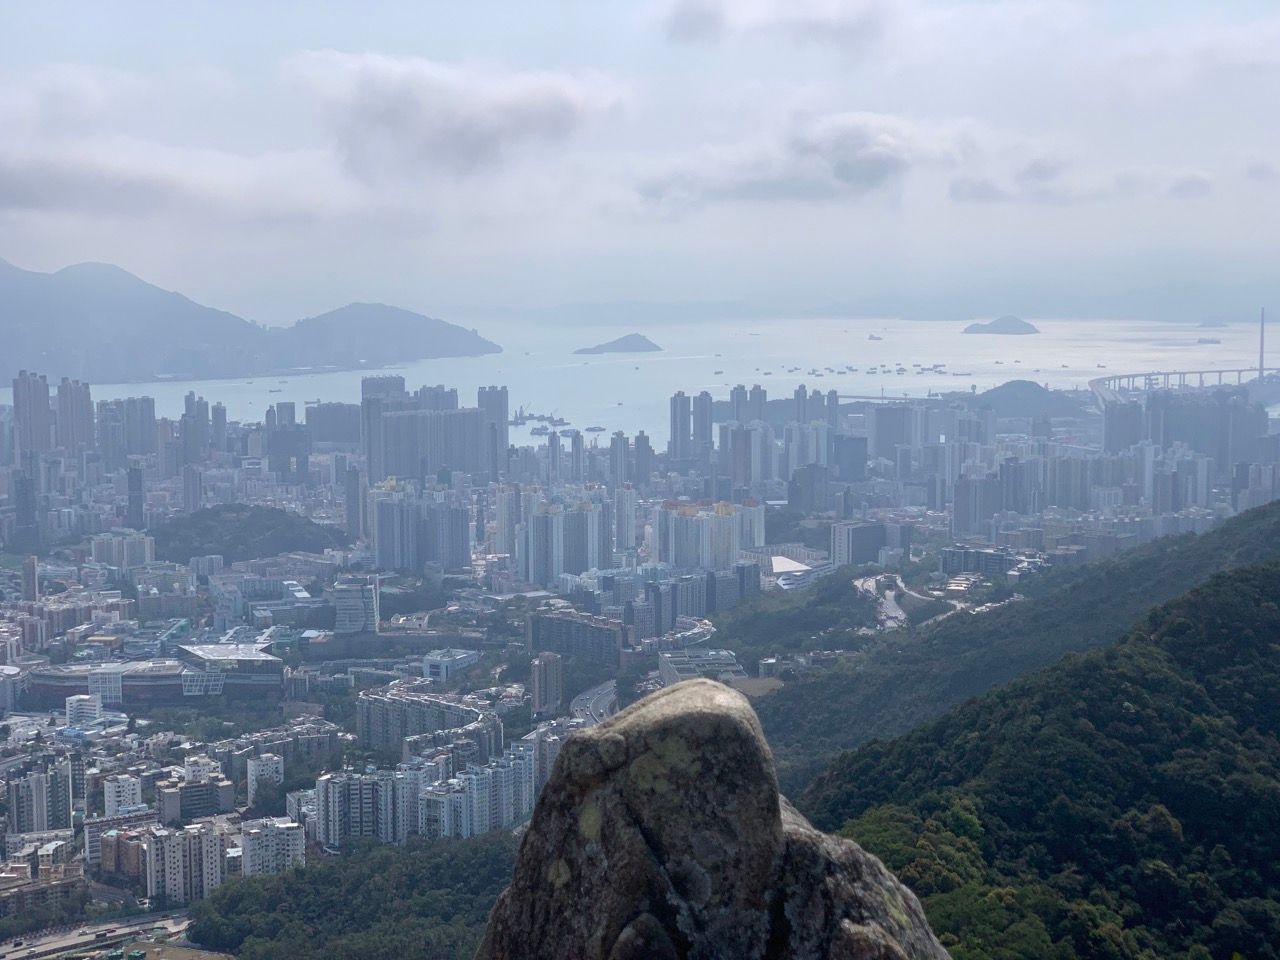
(869, 158)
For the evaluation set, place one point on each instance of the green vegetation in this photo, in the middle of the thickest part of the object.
(907, 679)
(791, 526)
(427, 899)
(919, 608)
(826, 617)
(238, 531)
(1122, 804)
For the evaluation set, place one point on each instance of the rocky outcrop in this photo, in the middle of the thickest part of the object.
(661, 834)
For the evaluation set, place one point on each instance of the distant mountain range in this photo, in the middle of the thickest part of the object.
(96, 322)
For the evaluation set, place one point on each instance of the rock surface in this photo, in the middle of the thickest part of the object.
(661, 834)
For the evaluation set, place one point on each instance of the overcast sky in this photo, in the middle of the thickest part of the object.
(279, 159)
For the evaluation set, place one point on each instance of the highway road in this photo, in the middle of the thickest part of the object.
(597, 704)
(53, 942)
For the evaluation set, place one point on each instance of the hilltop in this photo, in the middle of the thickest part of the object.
(1026, 398)
(95, 321)
(1120, 804)
(911, 679)
(631, 343)
(1008, 325)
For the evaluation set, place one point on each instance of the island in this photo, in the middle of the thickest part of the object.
(1008, 325)
(631, 343)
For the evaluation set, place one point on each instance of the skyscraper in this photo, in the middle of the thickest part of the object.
(135, 516)
(643, 460)
(31, 415)
(74, 427)
(702, 426)
(31, 579)
(679, 446)
(554, 456)
(353, 494)
(547, 673)
(738, 404)
(192, 488)
(494, 417)
(619, 460)
(757, 403)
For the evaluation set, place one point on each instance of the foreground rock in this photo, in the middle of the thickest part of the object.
(661, 834)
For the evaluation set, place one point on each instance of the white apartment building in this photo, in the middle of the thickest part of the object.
(120, 791)
(272, 845)
(268, 767)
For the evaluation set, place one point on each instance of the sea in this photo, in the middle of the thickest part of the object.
(630, 392)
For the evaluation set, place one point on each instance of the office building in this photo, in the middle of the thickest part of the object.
(83, 710)
(356, 605)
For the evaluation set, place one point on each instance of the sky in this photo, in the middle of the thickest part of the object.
(918, 158)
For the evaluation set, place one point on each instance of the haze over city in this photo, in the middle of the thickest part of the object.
(860, 157)
(709, 479)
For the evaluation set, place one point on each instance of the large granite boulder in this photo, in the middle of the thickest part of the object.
(661, 834)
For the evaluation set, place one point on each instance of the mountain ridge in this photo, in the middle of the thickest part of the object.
(1118, 804)
(99, 322)
(899, 685)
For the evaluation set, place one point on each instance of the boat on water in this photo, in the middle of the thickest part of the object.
(874, 337)
(540, 431)
(719, 372)
(275, 390)
(1207, 340)
(594, 430)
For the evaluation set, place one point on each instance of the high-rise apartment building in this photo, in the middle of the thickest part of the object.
(74, 425)
(31, 416)
(680, 442)
(547, 680)
(120, 792)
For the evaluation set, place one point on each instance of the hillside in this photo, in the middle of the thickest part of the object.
(97, 322)
(242, 532)
(1026, 398)
(631, 343)
(427, 899)
(910, 679)
(1121, 804)
(1008, 326)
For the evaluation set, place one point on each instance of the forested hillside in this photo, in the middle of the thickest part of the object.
(241, 532)
(427, 899)
(908, 679)
(1122, 804)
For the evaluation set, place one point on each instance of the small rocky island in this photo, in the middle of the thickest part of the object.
(661, 835)
(631, 343)
(1008, 325)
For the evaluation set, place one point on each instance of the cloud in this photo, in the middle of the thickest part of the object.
(398, 117)
(841, 155)
(977, 190)
(841, 22)
(1191, 186)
